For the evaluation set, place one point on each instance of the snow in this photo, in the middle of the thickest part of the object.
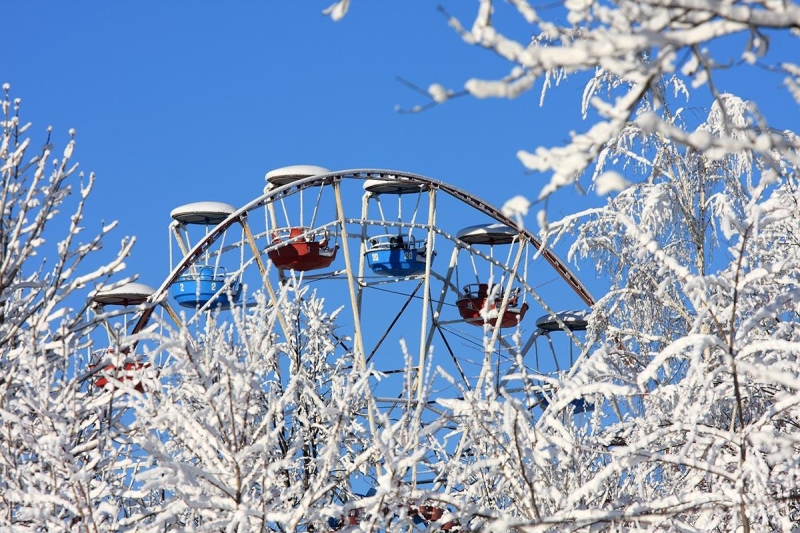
(492, 233)
(609, 182)
(69, 149)
(291, 173)
(337, 10)
(438, 93)
(516, 207)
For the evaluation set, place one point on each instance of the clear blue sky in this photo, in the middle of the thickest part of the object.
(181, 101)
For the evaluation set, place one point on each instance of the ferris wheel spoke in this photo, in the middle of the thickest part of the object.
(362, 255)
(262, 270)
(440, 301)
(351, 282)
(423, 347)
(453, 357)
(396, 318)
(504, 306)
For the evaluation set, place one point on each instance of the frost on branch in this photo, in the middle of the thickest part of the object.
(627, 53)
(438, 93)
(697, 337)
(251, 432)
(516, 208)
(337, 10)
(61, 449)
(610, 182)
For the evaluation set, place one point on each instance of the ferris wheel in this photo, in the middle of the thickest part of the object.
(410, 259)
(440, 292)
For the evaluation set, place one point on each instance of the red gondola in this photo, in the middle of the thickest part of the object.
(128, 373)
(476, 308)
(297, 251)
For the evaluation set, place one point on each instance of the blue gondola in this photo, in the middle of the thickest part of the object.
(204, 284)
(395, 255)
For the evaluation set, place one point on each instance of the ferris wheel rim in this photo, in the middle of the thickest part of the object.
(240, 216)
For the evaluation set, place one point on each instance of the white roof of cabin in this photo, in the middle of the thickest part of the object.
(392, 185)
(129, 294)
(574, 320)
(206, 213)
(284, 175)
(488, 234)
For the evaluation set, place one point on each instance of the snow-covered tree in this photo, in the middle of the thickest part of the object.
(245, 431)
(58, 450)
(248, 430)
(237, 426)
(699, 331)
(626, 53)
(681, 414)
(691, 362)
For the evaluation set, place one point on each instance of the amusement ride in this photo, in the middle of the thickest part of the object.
(410, 259)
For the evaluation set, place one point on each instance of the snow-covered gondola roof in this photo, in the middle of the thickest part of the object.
(285, 175)
(206, 213)
(488, 234)
(574, 320)
(129, 294)
(392, 185)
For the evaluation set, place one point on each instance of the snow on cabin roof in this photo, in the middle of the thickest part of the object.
(206, 213)
(128, 294)
(574, 320)
(392, 185)
(488, 234)
(284, 175)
